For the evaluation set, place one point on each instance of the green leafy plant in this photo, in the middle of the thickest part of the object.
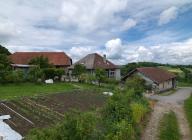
(100, 75)
(41, 61)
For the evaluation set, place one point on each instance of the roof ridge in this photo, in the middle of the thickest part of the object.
(41, 52)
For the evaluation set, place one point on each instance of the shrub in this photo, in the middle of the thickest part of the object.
(59, 72)
(138, 112)
(123, 130)
(16, 76)
(83, 78)
(100, 75)
(137, 84)
(78, 70)
(34, 74)
(118, 107)
(91, 78)
(76, 126)
(111, 81)
(49, 73)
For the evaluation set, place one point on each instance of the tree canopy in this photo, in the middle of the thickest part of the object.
(4, 50)
(41, 61)
(79, 69)
(4, 61)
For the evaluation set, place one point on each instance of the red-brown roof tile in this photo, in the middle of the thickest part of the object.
(94, 61)
(55, 58)
(157, 75)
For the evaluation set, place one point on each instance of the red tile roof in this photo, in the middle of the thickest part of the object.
(55, 58)
(94, 61)
(155, 74)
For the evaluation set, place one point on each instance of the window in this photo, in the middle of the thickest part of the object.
(111, 73)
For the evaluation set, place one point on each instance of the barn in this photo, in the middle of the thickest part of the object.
(159, 79)
(22, 59)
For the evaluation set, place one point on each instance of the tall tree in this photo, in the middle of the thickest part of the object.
(4, 61)
(4, 67)
(4, 50)
(41, 61)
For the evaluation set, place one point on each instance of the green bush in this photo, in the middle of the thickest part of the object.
(34, 74)
(76, 126)
(49, 73)
(122, 130)
(136, 83)
(111, 81)
(138, 111)
(15, 76)
(59, 72)
(78, 70)
(91, 78)
(100, 75)
(118, 108)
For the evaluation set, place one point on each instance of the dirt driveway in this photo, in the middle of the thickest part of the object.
(178, 97)
(165, 104)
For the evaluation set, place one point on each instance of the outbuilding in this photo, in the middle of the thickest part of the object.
(159, 79)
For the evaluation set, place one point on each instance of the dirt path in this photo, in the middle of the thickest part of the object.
(165, 104)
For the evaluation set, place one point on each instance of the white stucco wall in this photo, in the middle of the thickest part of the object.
(161, 87)
(118, 74)
(165, 85)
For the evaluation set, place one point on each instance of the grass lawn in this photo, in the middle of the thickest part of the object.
(168, 128)
(188, 110)
(10, 91)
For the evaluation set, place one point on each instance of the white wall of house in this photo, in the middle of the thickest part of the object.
(118, 74)
(114, 73)
(165, 85)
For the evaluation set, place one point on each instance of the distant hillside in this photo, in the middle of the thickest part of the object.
(131, 66)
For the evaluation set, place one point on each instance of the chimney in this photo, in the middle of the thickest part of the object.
(104, 58)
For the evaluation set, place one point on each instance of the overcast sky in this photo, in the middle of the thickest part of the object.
(125, 30)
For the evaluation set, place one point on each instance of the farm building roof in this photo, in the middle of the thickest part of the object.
(94, 60)
(155, 74)
(55, 58)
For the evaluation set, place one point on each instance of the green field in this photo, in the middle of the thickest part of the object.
(10, 91)
(176, 71)
(188, 110)
(168, 128)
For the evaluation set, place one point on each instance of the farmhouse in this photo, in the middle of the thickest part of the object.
(94, 61)
(22, 59)
(160, 80)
